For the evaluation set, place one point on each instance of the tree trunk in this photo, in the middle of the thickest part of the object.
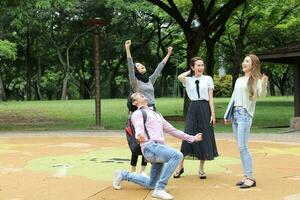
(84, 90)
(2, 91)
(272, 88)
(282, 90)
(38, 80)
(65, 86)
(236, 61)
(66, 77)
(210, 60)
(164, 84)
(113, 87)
(112, 82)
(28, 69)
(192, 51)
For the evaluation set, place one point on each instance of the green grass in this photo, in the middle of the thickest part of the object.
(80, 114)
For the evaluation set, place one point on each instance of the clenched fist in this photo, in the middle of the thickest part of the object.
(128, 43)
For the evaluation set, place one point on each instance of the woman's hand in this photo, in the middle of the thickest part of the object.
(170, 50)
(213, 120)
(264, 79)
(166, 58)
(226, 121)
(127, 43)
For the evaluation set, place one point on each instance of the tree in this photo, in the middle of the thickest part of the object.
(63, 30)
(7, 52)
(203, 20)
(256, 26)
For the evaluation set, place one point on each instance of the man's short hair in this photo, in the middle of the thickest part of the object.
(130, 100)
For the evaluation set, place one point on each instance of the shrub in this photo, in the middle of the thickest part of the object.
(222, 86)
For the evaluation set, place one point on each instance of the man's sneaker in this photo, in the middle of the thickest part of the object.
(143, 173)
(161, 194)
(117, 180)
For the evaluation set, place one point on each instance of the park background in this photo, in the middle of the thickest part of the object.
(50, 146)
(47, 74)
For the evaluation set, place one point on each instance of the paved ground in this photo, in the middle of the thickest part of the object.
(79, 165)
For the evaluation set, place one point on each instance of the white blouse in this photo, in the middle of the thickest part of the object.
(240, 95)
(205, 83)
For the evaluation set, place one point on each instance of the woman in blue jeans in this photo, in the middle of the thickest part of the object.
(163, 158)
(241, 110)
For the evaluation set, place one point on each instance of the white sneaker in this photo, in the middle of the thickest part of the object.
(144, 174)
(161, 194)
(117, 180)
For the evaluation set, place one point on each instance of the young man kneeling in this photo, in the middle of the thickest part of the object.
(163, 158)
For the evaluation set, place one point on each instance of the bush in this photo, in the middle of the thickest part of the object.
(222, 86)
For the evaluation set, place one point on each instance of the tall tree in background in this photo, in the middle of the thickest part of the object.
(7, 52)
(256, 26)
(203, 20)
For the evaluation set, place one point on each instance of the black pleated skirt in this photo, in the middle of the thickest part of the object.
(198, 120)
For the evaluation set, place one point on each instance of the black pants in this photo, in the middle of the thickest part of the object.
(134, 159)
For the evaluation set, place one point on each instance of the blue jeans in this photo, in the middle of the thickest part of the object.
(164, 161)
(241, 128)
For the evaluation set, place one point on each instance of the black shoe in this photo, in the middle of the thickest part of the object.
(177, 174)
(245, 186)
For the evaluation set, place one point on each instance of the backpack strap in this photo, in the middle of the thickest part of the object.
(145, 119)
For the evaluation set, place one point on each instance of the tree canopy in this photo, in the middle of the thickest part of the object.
(47, 52)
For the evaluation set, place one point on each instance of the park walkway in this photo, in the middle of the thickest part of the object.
(290, 137)
(79, 165)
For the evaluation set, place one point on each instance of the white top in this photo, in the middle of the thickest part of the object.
(205, 83)
(240, 95)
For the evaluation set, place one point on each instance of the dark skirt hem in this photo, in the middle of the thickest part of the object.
(198, 121)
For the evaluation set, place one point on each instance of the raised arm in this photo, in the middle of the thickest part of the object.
(161, 65)
(132, 78)
(127, 48)
(166, 58)
(182, 76)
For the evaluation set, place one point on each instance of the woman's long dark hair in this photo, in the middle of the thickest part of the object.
(142, 77)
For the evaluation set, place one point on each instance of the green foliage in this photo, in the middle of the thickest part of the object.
(18, 84)
(222, 86)
(38, 29)
(257, 26)
(8, 50)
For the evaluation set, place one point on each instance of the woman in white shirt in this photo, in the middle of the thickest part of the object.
(200, 116)
(241, 110)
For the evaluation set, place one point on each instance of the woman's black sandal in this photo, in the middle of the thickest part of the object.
(177, 174)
